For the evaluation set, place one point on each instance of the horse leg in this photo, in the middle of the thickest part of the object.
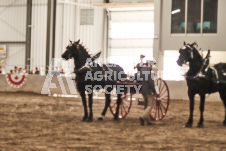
(201, 107)
(191, 98)
(223, 97)
(107, 103)
(83, 95)
(119, 100)
(90, 118)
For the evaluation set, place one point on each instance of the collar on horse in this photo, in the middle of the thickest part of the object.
(203, 67)
(88, 63)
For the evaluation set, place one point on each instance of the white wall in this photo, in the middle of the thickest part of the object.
(38, 33)
(13, 20)
(13, 28)
(68, 27)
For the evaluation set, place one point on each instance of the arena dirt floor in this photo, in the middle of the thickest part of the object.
(35, 122)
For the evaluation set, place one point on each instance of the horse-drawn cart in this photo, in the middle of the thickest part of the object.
(160, 106)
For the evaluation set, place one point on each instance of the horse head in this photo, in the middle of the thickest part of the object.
(71, 50)
(76, 51)
(186, 53)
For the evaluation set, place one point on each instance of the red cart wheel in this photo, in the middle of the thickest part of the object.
(124, 106)
(162, 102)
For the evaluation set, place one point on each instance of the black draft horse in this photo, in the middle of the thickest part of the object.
(84, 63)
(202, 79)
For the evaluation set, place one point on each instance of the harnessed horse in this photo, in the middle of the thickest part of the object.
(202, 79)
(80, 55)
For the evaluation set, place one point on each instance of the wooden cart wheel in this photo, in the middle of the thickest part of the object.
(124, 106)
(162, 102)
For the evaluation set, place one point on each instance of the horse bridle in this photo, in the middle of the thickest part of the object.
(192, 56)
(191, 51)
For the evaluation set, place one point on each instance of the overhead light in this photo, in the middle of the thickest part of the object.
(175, 11)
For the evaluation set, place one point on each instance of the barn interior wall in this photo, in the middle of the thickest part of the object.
(13, 29)
(38, 34)
(68, 27)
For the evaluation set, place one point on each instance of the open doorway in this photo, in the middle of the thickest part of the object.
(131, 33)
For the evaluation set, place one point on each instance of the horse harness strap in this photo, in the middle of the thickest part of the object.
(191, 54)
(86, 65)
(199, 74)
(215, 72)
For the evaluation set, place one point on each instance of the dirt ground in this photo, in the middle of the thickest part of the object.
(35, 122)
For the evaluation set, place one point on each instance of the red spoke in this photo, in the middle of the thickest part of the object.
(126, 104)
(113, 105)
(163, 92)
(127, 100)
(164, 97)
(155, 110)
(161, 109)
(163, 106)
(160, 85)
(125, 109)
(165, 101)
(121, 109)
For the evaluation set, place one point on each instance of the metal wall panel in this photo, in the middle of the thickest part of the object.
(13, 28)
(13, 20)
(38, 33)
(68, 27)
(15, 56)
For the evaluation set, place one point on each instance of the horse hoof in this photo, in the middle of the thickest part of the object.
(100, 118)
(84, 119)
(224, 123)
(188, 125)
(116, 118)
(200, 126)
(141, 121)
(89, 120)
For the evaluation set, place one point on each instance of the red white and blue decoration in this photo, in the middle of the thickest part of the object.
(16, 80)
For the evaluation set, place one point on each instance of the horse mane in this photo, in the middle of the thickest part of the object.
(196, 51)
(83, 50)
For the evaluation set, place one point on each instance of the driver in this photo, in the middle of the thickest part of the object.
(139, 66)
(148, 92)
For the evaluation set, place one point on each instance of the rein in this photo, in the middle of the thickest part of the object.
(86, 65)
